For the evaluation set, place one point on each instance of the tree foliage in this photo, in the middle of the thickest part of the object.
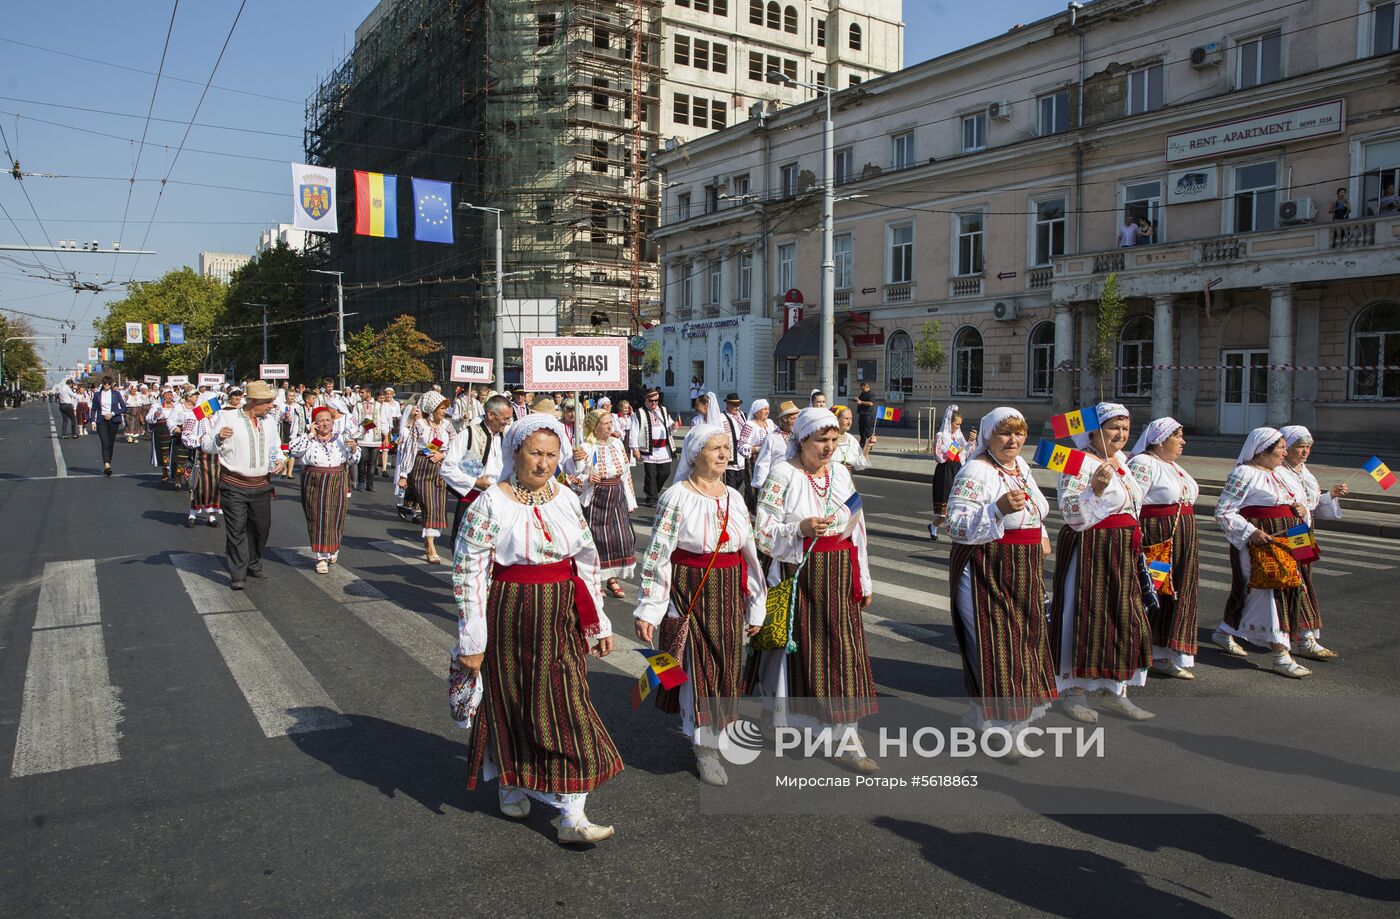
(392, 355)
(21, 358)
(181, 297)
(276, 278)
(1112, 312)
(930, 355)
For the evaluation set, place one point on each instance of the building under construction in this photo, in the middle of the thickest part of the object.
(545, 109)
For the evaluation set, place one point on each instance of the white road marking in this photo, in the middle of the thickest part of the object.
(59, 465)
(206, 581)
(70, 710)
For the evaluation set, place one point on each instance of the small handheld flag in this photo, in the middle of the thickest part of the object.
(368, 424)
(207, 408)
(433, 445)
(662, 670)
(1302, 544)
(853, 504)
(1061, 459)
(1159, 572)
(1380, 472)
(1081, 421)
(888, 413)
(954, 453)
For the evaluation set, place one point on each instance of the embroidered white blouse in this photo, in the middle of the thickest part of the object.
(332, 452)
(788, 497)
(1320, 504)
(1250, 486)
(610, 460)
(501, 531)
(691, 521)
(1082, 509)
(1163, 482)
(423, 433)
(849, 454)
(973, 516)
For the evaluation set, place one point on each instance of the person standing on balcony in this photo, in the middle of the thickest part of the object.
(1389, 204)
(1341, 208)
(1128, 232)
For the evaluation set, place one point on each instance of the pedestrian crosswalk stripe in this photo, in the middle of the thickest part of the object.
(70, 712)
(206, 581)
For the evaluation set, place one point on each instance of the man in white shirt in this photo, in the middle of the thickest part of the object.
(68, 407)
(475, 457)
(250, 453)
(733, 422)
(655, 430)
(1128, 232)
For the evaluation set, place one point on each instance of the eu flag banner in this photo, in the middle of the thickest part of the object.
(175, 334)
(376, 204)
(1081, 421)
(1380, 472)
(120, 355)
(432, 211)
(1061, 459)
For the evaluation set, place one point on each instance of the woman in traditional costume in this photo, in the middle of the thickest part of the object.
(162, 440)
(950, 451)
(996, 519)
(848, 449)
(429, 441)
(702, 584)
(325, 455)
(1099, 634)
(1320, 505)
(204, 470)
(608, 499)
(1168, 523)
(525, 578)
(1258, 502)
(807, 517)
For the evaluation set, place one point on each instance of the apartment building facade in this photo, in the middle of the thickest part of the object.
(990, 190)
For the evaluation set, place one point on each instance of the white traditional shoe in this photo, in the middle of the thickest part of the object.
(1075, 706)
(515, 810)
(334, 558)
(1167, 668)
(859, 762)
(1290, 668)
(1227, 643)
(1313, 650)
(710, 768)
(584, 834)
(321, 567)
(1122, 705)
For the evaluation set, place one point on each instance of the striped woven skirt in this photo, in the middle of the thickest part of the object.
(1294, 606)
(710, 642)
(1310, 616)
(1112, 639)
(160, 445)
(611, 527)
(536, 714)
(204, 483)
(1174, 622)
(1007, 662)
(324, 502)
(828, 676)
(432, 494)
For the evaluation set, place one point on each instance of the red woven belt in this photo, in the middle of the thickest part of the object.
(1276, 512)
(1026, 536)
(554, 573)
(1121, 522)
(1165, 510)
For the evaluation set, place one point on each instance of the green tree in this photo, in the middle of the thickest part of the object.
(21, 359)
(651, 360)
(1112, 312)
(276, 278)
(929, 353)
(178, 297)
(392, 355)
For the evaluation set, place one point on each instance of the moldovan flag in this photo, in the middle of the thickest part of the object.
(207, 408)
(1078, 422)
(133, 333)
(155, 333)
(1302, 544)
(888, 413)
(662, 670)
(313, 198)
(855, 506)
(1159, 572)
(1380, 472)
(376, 204)
(1061, 459)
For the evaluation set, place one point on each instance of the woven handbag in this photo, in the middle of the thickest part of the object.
(1161, 552)
(776, 631)
(1272, 566)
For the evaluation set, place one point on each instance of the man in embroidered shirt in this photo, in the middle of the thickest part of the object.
(733, 422)
(250, 452)
(654, 430)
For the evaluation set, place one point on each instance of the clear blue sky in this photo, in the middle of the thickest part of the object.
(277, 55)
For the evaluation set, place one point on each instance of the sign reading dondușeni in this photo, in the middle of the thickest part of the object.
(566, 364)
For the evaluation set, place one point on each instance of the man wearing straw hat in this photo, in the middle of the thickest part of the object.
(249, 448)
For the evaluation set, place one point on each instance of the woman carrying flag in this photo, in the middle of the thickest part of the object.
(204, 467)
(809, 515)
(848, 449)
(608, 499)
(161, 437)
(1258, 502)
(1169, 524)
(702, 584)
(1099, 634)
(428, 445)
(325, 455)
(525, 576)
(949, 453)
(996, 519)
(1319, 505)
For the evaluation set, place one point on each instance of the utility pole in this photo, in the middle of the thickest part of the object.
(499, 356)
(339, 324)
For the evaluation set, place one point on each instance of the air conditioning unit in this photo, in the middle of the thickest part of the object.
(1006, 312)
(999, 110)
(1207, 55)
(1299, 210)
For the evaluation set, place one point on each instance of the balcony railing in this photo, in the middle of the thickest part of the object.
(1222, 250)
(899, 293)
(1353, 234)
(970, 286)
(842, 299)
(1039, 278)
(1105, 262)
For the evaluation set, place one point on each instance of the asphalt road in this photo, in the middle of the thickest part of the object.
(286, 751)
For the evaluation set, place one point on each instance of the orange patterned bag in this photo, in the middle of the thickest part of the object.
(1272, 566)
(1161, 552)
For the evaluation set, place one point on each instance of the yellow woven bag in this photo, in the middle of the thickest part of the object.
(776, 631)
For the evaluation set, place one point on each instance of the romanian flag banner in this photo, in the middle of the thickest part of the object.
(155, 333)
(662, 670)
(888, 413)
(1380, 472)
(1081, 421)
(376, 204)
(1302, 544)
(1061, 459)
(207, 408)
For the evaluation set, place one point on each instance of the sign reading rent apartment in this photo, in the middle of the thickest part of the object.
(563, 364)
(1257, 131)
(211, 379)
(273, 372)
(471, 369)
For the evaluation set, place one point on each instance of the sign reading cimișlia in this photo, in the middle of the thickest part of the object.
(564, 364)
(1266, 130)
(471, 369)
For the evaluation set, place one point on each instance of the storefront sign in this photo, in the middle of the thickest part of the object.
(792, 316)
(273, 372)
(1187, 185)
(575, 363)
(1257, 131)
(471, 369)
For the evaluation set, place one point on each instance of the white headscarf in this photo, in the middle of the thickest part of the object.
(695, 441)
(1106, 411)
(519, 430)
(812, 396)
(1156, 432)
(809, 421)
(988, 425)
(945, 430)
(1294, 433)
(712, 410)
(1259, 440)
(757, 405)
(430, 400)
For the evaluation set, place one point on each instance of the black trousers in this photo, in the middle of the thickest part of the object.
(867, 429)
(459, 514)
(366, 466)
(736, 479)
(654, 479)
(107, 436)
(247, 521)
(70, 420)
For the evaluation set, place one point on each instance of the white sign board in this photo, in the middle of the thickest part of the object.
(565, 364)
(177, 380)
(273, 372)
(211, 379)
(152, 379)
(1283, 127)
(1187, 185)
(471, 369)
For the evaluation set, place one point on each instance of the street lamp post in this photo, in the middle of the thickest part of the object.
(826, 373)
(339, 324)
(499, 355)
(264, 309)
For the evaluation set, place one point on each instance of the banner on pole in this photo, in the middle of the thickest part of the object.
(151, 379)
(92, 354)
(133, 333)
(471, 369)
(211, 379)
(313, 194)
(274, 372)
(175, 334)
(575, 363)
(179, 379)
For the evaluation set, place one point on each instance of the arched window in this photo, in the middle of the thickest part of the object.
(854, 41)
(1135, 359)
(790, 20)
(756, 12)
(775, 15)
(899, 363)
(967, 362)
(1375, 341)
(1040, 361)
